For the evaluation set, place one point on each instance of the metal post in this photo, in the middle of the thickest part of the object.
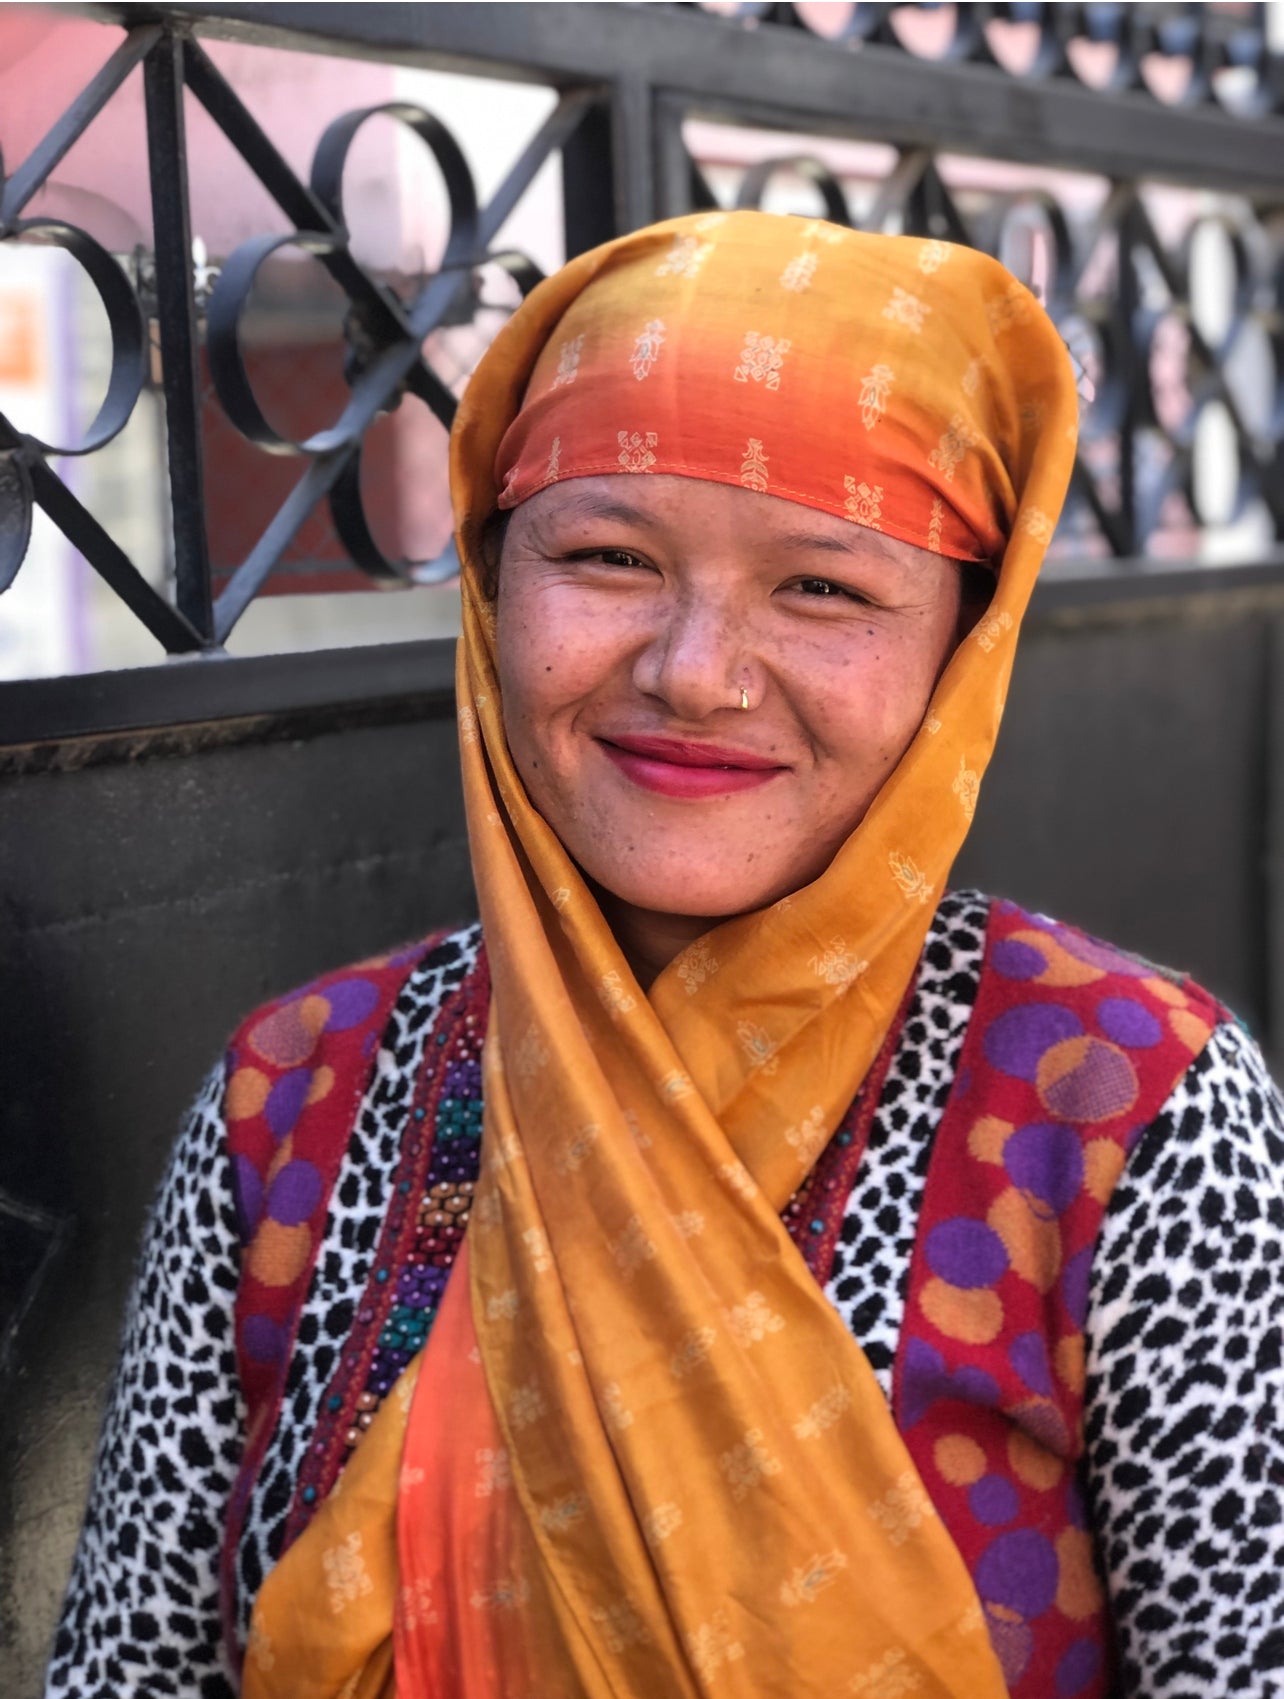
(1132, 378)
(587, 186)
(633, 151)
(176, 303)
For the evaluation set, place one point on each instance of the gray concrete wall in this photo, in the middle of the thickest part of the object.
(156, 885)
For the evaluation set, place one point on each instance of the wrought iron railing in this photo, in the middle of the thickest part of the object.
(1189, 95)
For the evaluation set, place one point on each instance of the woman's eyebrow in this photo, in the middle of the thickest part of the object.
(861, 544)
(813, 540)
(596, 507)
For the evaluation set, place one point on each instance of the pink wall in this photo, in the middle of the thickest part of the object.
(46, 58)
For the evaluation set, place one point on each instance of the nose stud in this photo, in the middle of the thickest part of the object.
(744, 697)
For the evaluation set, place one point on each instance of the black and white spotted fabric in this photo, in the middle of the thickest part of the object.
(1185, 1390)
(870, 1277)
(1186, 1387)
(142, 1611)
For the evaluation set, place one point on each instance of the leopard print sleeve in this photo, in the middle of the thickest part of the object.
(142, 1611)
(1185, 1437)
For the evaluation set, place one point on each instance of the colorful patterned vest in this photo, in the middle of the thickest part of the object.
(1070, 1053)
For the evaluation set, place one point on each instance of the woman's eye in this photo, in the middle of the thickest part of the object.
(826, 588)
(605, 557)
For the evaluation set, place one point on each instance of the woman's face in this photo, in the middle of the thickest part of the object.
(631, 612)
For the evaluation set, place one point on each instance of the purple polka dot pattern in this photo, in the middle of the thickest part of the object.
(248, 1189)
(1019, 1570)
(294, 1193)
(1071, 1047)
(1017, 960)
(1028, 1354)
(1099, 955)
(1086, 1080)
(1045, 1160)
(288, 1035)
(351, 1001)
(263, 1339)
(1043, 1421)
(1128, 1022)
(966, 1253)
(927, 1379)
(1016, 1042)
(1074, 1284)
(1078, 1668)
(994, 1501)
(287, 1131)
(286, 1100)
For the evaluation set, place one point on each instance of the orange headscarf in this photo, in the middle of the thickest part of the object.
(679, 367)
(641, 1454)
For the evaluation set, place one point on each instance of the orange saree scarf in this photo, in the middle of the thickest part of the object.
(641, 1455)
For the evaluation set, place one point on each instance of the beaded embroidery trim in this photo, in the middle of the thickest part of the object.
(437, 1168)
(814, 1215)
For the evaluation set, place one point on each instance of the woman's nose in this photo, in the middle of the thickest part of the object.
(697, 662)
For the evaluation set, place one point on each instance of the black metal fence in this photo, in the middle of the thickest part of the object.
(1009, 82)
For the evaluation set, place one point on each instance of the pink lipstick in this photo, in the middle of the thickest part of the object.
(675, 767)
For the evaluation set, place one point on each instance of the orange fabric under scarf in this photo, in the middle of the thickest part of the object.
(641, 1455)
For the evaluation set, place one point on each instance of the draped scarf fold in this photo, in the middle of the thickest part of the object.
(641, 1454)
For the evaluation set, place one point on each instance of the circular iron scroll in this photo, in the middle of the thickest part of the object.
(227, 302)
(386, 325)
(347, 506)
(331, 158)
(124, 319)
(386, 322)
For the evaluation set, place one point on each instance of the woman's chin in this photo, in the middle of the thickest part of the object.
(691, 898)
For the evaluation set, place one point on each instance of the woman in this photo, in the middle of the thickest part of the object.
(857, 1276)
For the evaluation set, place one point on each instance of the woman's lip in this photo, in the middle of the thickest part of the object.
(677, 752)
(683, 778)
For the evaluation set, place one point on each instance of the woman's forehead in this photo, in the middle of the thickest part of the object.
(682, 510)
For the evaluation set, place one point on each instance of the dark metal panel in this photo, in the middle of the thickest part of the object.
(1129, 789)
(147, 905)
(777, 76)
(1134, 581)
(216, 687)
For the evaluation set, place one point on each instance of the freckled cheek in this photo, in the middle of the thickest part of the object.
(852, 711)
(555, 661)
(863, 718)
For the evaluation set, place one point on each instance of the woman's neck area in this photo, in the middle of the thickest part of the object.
(650, 940)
